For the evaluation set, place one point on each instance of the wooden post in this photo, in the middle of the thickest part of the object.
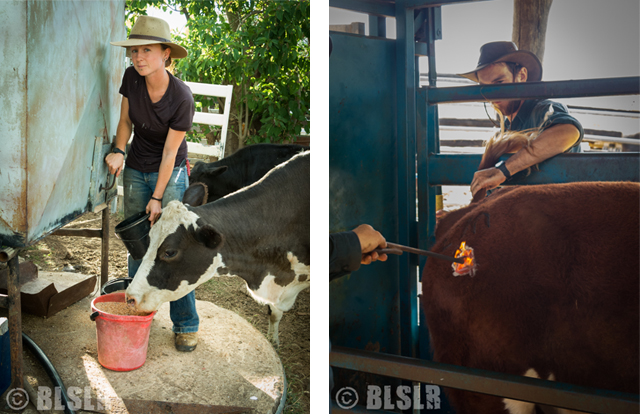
(15, 322)
(530, 25)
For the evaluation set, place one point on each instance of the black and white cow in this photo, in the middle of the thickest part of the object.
(259, 233)
(242, 168)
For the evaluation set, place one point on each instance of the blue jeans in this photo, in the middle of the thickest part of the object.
(138, 189)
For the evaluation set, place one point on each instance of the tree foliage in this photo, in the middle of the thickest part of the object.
(260, 47)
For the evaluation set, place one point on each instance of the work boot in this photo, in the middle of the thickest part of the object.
(186, 342)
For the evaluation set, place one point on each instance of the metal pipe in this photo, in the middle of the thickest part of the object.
(421, 4)
(536, 90)
(596, 138)
(517, 387)
(7, 253)
(104, 260)
(376, 9)
(393, 248)
(15, 322)
(358, 409)
(458, 169)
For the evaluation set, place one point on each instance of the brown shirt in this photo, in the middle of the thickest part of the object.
(151, 121)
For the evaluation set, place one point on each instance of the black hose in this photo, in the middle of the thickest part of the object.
(50, 369)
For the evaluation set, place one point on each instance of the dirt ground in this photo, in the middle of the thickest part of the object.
(83, 255)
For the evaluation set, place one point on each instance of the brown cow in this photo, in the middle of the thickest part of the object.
(554, 292)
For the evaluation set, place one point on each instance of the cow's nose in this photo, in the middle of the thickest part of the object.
(130, 301)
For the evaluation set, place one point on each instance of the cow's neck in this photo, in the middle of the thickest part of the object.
(230, 216)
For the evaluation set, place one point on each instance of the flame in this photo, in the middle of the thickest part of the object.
(468, 266)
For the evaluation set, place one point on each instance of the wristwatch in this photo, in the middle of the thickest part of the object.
(117, 151)
(502, 166)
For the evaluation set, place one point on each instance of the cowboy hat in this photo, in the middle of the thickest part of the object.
(149, 30)
(496, 52)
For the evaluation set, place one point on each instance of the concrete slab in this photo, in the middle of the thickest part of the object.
(233, 365)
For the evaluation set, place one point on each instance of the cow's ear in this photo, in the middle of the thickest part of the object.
(214, 172)
(208, 236)
(196, 195)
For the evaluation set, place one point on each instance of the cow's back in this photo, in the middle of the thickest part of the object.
(244, 167)
(555, 288)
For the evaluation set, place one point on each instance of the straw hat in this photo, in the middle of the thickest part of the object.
(149, 30)
(495, 52)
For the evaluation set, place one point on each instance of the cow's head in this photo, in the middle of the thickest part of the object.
(203, 171)
(182, 255)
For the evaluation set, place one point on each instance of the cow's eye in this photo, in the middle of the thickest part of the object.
(168, 254)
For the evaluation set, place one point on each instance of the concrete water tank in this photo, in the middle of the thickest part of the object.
(59, 109)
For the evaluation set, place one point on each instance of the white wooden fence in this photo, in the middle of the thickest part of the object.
(222, 120)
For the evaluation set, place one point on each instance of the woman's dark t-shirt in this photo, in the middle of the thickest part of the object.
(151, 121)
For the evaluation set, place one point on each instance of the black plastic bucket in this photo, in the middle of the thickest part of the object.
(134, 233)
(116, 285)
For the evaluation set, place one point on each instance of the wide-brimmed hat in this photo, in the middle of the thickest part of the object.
(149, 30)
(496, 52)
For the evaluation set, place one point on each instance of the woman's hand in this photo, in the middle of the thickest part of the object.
(114, 162)
(154, 208)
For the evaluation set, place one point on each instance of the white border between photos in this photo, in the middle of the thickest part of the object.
(319, 220)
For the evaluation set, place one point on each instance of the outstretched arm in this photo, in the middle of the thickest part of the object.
(551, 142)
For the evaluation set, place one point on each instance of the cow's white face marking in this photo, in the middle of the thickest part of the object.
(149, 298)
(521, 407)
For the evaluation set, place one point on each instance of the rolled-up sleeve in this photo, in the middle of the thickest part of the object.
(345, 254)
(556, 113)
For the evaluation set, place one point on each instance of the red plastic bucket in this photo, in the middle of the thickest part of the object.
(122, 339)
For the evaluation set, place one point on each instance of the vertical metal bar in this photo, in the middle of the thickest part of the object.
(429, 197)
(428, 145)
(377, 26)
(104, 264)
(15, 322)
(433, 141)
(406, 89)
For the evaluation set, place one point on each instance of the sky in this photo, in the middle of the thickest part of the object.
(585, 39)
(176, 21)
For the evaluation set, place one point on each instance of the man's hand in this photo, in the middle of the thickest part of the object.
(487, 179)
(370, 239)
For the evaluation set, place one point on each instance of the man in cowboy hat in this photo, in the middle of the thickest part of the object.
(502, 62)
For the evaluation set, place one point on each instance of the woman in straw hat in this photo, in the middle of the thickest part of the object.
(161, 109)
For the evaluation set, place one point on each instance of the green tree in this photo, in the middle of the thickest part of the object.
(260, 47)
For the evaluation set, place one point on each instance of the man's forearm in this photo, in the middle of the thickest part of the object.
(550, 142)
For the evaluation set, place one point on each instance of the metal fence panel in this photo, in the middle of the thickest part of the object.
(60, 111)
